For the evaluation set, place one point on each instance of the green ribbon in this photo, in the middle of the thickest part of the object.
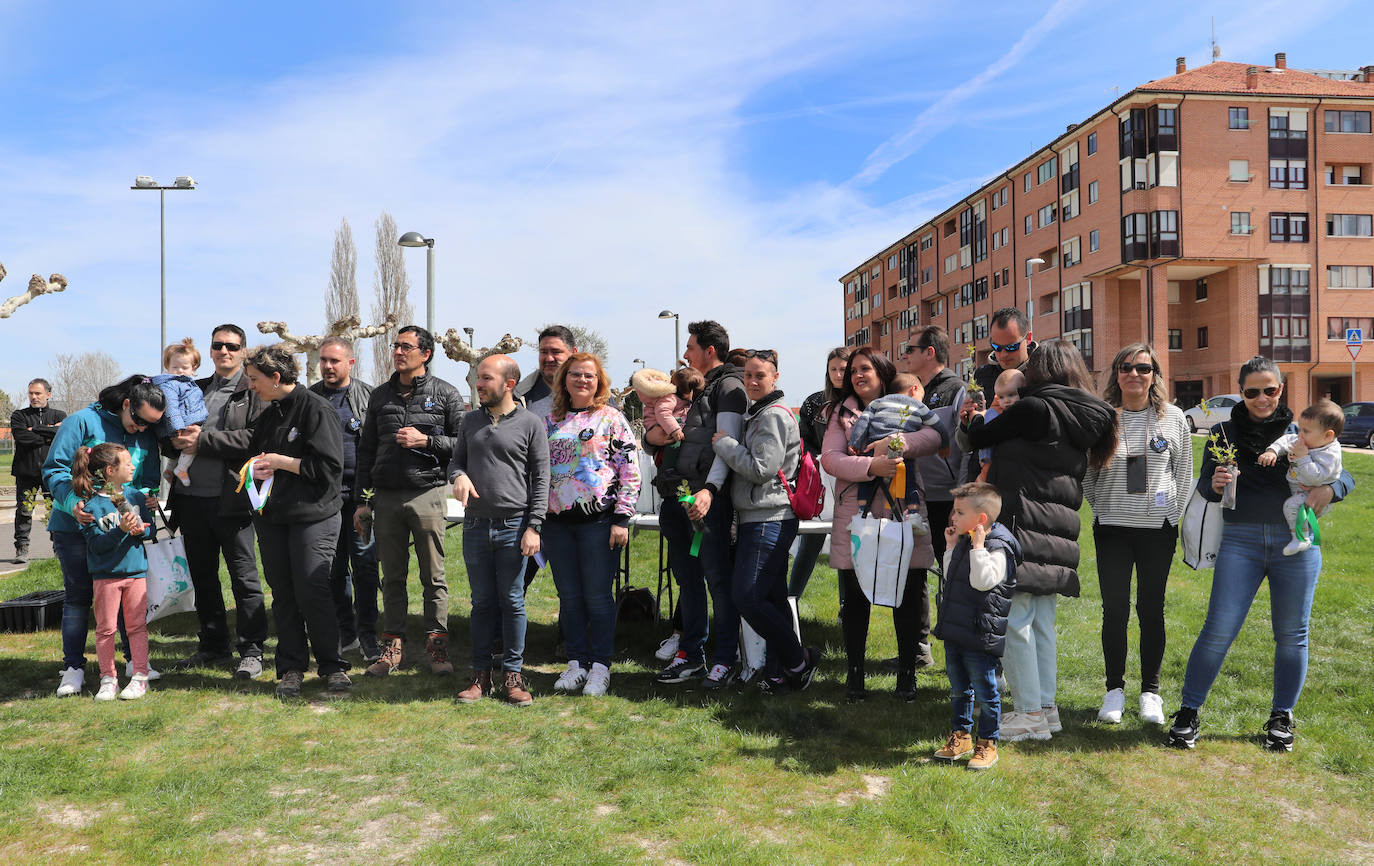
(688, 501)
(1308, 518)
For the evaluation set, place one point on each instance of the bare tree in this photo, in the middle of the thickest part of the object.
(391, 294)
(341, 299)
(37, 286)
(347, 327)
(463, 352)
(78, 379)
(587, 340)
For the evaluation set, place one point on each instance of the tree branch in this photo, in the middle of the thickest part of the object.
(37, 286)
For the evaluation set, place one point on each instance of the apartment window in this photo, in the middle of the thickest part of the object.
(1285, 280)
(1344, 174)
(1239, 118)
(1163, 128)
(1290, 228)
(1092, 143)
(1347, 121)
(1164, 233)
(996, 240)
(927, 274)
(1202, 337)
(1006, 276)
(1240, 222)
(1029, 224)
(877, 271)
(1070, 252)
(1288, 174)
(980, 289)
(1069, 204)
(1175, 339)
(892, 261)
(951, 262)
(1349, 276)
(1026, 182)
(927, 241)
(1336, 326)
(1093, 244)
(1287, 133)
(1348, 225)
(1284, 309)
(1005, 192)
(1046, 170)
(980, 328)
(1092, 192)
(1135, 239)
(1240, 171)
(996, 280)
(1046, 215)
(1006, 235)
(1200, 290)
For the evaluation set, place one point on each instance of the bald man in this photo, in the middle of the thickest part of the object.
(500, 474)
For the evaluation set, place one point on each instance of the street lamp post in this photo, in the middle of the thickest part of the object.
(415, 239)
(145, 182)
(640, 362)
(1030, 292)
(677, 337)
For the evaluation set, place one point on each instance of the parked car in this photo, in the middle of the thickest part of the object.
(1359, 424)
(1213, 411)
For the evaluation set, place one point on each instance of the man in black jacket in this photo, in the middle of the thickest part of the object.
(401, 485)
(214, 519)
(353, 579)
(33, 430)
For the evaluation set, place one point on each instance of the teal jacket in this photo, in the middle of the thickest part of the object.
(112, 553)
(91, 426)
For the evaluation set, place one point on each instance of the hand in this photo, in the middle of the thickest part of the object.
(529, 543)
(409, 437)
(361, 514)
(81, 514)
(677, 436)
(979, 535)
(1268, 458)
(717, 436)
(463, 489)
(1299, 450)
(882, 467)
(263, 468)
(187, 440)
(131, 523)
(967, 410)
(951, 537)
(700, 505)
(1320, 497)
(620, 536)
(1221, 478)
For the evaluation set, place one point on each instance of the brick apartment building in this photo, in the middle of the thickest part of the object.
(1218, 213)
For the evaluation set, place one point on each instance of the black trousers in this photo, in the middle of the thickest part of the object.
(353, 581)
(910, 619)
(1149, 552)
(296, 560)
(208, 536)
(27, 488)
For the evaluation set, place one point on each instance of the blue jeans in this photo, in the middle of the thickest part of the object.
(353, 581)
(583, 570)
(760, 588)
(491, 552)
(973, 675)
(696, 574)
(70, 550)
(1249, 552)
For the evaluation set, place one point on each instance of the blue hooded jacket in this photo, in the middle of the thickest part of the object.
(86, 428)
(112, 553)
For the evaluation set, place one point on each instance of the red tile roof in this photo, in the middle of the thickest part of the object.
(1224, 77)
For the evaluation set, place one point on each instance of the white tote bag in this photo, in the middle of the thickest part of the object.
(883, 547)
(753, 649)
(169, 577)
(1201, 532)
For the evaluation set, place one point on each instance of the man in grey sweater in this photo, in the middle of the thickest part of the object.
(500, 474)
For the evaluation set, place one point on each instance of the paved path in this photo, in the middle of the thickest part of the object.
(40, 544)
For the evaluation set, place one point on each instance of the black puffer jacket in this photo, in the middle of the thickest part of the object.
(973, 619)
(435, 408)
(1040, 453)
(303, 425)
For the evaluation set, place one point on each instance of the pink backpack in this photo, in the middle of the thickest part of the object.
(808, 497)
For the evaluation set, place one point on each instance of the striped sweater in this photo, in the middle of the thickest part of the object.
(1170, 472)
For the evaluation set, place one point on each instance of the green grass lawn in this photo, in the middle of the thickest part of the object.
(206, 770)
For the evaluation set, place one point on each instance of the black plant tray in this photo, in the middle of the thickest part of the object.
(33, 612)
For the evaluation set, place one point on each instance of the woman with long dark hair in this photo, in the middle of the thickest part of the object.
(812, 419)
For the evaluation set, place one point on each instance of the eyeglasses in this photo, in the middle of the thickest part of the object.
(404, 347)
(583, 377)
(140, 422)
(1140, 369)
(220, 345)
(1252, 393)
(769, 355)
(1009, 347)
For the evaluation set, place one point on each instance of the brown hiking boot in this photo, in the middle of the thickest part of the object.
(515, 692)
(481, 686)
(437, 648)
(984, 755)
(959, 745)
(392, 653)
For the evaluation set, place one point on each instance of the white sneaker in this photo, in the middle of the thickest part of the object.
(571, 679)
(1113, 704)
(152, 674)
(1151, 708)
(1024, 726)
(597, 681)
(1051, 715)
(1296, 546)
(109, 686)
(72, 681)
(668, 648)
(137, 688)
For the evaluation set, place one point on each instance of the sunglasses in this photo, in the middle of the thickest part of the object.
(1141, 369)
(1252, 393)
(140, 422)
(220, 345)
(1009, 347)
(404, 347)
(768, 355)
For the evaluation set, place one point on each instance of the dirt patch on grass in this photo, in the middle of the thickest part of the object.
(658, 851)
(73, 817)
(875, 787)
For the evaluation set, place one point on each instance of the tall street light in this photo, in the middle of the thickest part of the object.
(677, 336)
(145, 182)
(1030, 291)
(415, 239)
(640, 362)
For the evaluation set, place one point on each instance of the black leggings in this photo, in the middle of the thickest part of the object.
(1150, 552)
(910, 619)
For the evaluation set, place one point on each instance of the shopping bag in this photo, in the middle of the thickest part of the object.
(753, 649)
(883, 547)
(169, 577)
(1201, 531)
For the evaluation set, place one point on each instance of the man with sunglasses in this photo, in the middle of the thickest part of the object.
(400, 484)
(1009, 336)
(215, 519)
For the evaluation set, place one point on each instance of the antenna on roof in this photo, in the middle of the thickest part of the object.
(1216, 49)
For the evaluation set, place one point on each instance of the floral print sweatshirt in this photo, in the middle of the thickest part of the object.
(593, 466)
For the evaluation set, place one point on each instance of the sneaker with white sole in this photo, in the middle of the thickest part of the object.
(1051, 715)
(250, 668)
(73, 679)
(1024, 726)
(668, 648)
(152, 674)
(680, 671)
(571, 679)
(1278, 732)
(720, 677)
(1151, 708)
(137, 688)
(1113, 705)
(109, 689)
(598, 681)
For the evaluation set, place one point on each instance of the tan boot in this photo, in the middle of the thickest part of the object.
(437, 648)
(515, 691)
(393, 651)
(984, 755)
(481, 686)
(959, 745)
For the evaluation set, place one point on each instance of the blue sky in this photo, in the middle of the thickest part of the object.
(592, 163)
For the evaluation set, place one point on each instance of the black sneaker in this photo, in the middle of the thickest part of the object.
(289, 685)
(720, 677)
(203, 659)
(906, 686)
(854, 688)
(338, 682)
(801, 679)
(1183, 732)
(679, 670)
(368, 646)
(1278, 732)
(775, 686)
